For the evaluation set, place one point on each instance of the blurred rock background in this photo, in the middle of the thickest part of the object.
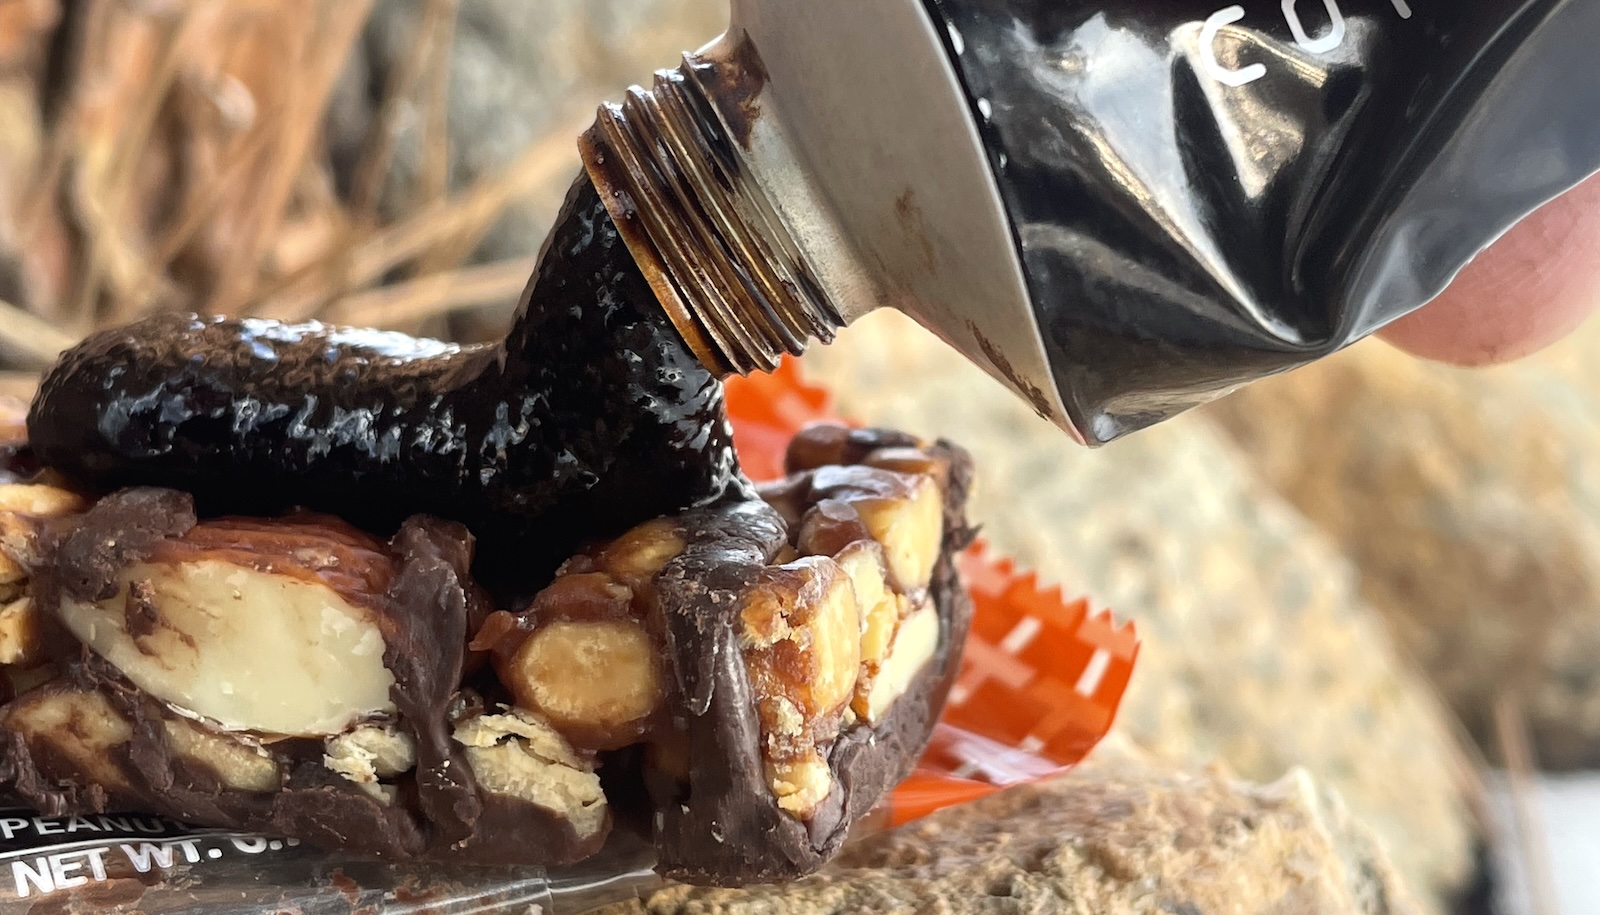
(1358, 584)
(1471, 501)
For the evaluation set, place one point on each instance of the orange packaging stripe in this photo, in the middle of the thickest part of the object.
(1041, 677)
(926, 791)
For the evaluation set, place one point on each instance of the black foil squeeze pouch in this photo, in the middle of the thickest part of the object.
(1119, 210)
(1203, 197)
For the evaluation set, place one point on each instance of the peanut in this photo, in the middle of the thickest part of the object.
(518, 755)
(636, 557)
(915, 643)
(903, 512)
(598, 682)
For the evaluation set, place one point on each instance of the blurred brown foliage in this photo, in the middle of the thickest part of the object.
(169, 154)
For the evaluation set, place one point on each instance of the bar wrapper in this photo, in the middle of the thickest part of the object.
(1039, 686)
(126, 863)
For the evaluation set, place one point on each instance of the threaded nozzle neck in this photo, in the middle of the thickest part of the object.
(722, 261)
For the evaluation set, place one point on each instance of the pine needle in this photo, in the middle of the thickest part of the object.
(202, 205)
(542, 166)
(337, 27)
(1511, 733)
(19, 386)
(434, 181)
(414, 301)
(30, 338)
(434, 29)
(113, 196)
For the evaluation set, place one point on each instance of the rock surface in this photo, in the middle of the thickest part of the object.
(1258, 649)
(517, 71)
(1470, 500)
(1115, 837)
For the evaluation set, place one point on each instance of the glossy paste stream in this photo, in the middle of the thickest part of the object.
(589, 416)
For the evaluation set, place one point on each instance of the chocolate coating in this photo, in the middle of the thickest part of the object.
(426, 615)
(590, 415)
(425, 642)
(119, 530)
(724, 826)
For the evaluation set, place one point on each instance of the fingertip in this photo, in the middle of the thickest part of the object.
(1526, 291)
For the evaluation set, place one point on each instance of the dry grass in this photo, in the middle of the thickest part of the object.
(1528, 832)
(174, 159)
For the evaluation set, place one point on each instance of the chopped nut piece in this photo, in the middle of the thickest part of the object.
(11, 571)
(79, 728)
(597, 682)
(812, 635)
(881, 608)
(905, 513)
(914, 646)
(20, 638)
(830, 443)
(882, 626)
(370, 752)
(259, 626)
(802, 638)
(38, 501)
(22, 507)
(636, 557)
(801, 784)
(238, 765)
(802, 632)
(517, 755)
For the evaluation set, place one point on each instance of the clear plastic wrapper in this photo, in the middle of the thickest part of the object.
(147, 864)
